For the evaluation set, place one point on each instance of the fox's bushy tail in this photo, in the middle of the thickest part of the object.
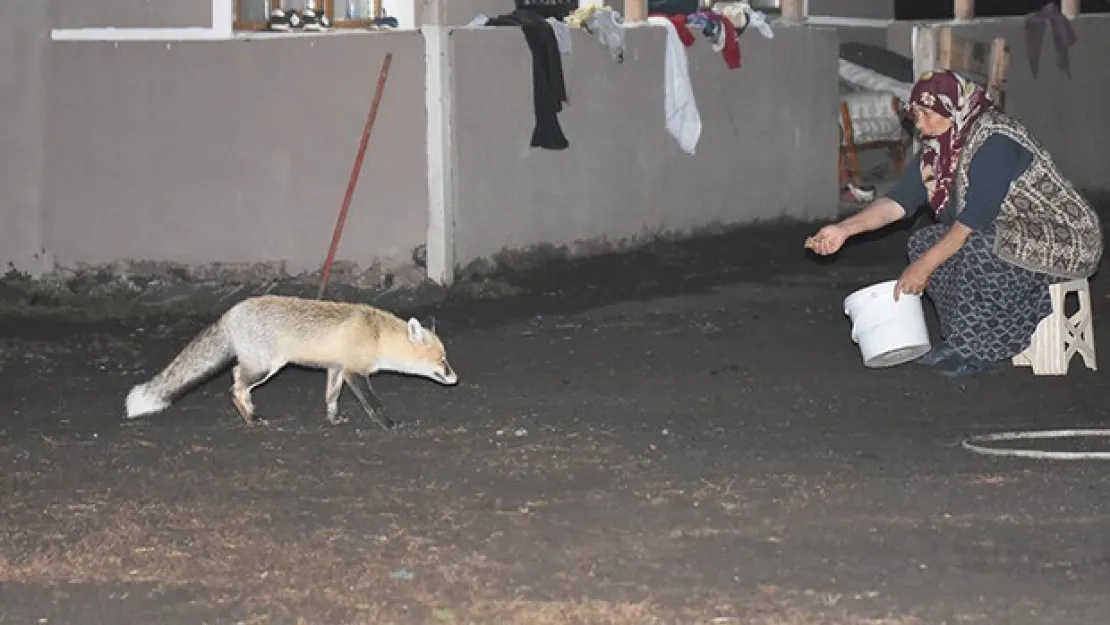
(208, 352)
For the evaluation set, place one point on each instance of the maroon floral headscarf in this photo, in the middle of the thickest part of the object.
(961, 101)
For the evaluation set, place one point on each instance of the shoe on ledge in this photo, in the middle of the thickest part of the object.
(285, 20)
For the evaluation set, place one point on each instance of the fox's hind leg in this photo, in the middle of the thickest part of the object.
(360, 386)
(241, 391)
(246, 379)
(331, 396)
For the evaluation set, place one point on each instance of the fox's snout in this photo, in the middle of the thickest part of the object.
(447, 376)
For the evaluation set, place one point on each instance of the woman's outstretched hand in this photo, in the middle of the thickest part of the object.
(828, 239)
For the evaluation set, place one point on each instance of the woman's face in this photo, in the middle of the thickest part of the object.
(929, 122)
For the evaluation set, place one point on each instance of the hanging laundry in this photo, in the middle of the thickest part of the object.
(681, 29)
(761, 23)
(605, 23)
(562, 35)
(560, 28)
(709, 23)
(549, 91)
(718, 29)
(742, 16)
(736, 12)
(679, 106)
(728, 44)
(721, 32)
(479, 20)
(558, 9)
(1063, 37)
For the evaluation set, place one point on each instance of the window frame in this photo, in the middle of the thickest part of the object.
(224, 27)
(239, 25)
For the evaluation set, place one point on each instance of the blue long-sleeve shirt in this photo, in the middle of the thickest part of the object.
(998, 162)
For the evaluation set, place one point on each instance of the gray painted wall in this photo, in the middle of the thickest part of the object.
(768, 146)
(239, 151)
(459, 12)
(869, 35)
(23, 41)
(236, 151)
(129, 13)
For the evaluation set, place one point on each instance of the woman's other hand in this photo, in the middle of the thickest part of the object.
(828, 239)
(913, 280)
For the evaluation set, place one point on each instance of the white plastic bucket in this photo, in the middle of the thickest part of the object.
(888, 332)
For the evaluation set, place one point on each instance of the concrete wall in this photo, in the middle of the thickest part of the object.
(129, 13)
(768, 146)
(23, 43)
(899, 37)
(237, 151)
(1068, 114)
(870, 35)
(459, 12)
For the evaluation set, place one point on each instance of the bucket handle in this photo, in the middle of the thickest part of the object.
(855, 339)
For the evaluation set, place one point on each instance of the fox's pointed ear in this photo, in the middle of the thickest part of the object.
(416, 331)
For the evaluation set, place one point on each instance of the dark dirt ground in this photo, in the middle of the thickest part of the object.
(680, 435)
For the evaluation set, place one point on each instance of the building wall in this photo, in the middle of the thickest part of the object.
(23, 41)
(237, 153)
(129, 13)
(768, 147)
(459, 12)
(869, 35)
(233, 151)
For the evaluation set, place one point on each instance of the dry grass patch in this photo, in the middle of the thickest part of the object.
(238, 559)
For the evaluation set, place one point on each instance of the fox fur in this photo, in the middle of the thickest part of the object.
(265, 333)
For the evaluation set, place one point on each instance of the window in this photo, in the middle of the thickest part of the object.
(244, 16)
(253, 14)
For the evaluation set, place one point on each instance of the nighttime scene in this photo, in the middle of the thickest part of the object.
(546, 312)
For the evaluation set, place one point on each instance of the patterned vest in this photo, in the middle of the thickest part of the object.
(1044, 225)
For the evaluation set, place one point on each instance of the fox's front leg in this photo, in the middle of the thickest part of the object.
(360, 386)
(331, 396)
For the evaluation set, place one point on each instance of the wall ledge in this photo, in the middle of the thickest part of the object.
(138, 34)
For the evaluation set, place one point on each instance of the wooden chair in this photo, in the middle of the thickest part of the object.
(881, 129)
(983, 62)
(937, 47)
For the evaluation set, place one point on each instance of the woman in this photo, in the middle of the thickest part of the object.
(1009, 226)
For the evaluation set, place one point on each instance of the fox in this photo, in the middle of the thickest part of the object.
(266, 332)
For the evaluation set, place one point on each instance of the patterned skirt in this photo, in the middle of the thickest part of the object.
(988, 308)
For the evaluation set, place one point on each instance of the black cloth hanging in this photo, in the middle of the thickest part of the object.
(549, 91)
(558, 9)
(1063, 36)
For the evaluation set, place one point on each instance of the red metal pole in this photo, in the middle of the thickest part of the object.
(354, 174)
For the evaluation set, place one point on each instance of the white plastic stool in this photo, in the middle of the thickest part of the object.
(1059, 337)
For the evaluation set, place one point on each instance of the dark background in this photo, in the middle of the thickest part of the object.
(940, 9)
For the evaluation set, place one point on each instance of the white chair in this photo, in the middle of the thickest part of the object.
(1060, 336)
